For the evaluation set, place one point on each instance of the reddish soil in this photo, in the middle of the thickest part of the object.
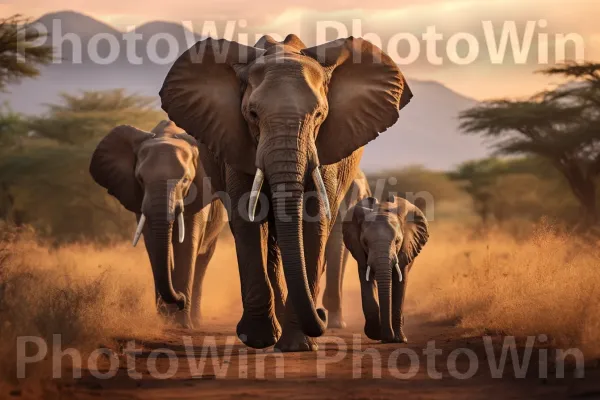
(299, 372)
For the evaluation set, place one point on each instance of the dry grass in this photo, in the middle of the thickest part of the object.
(85, 294)
(546, 284)
(92, 295)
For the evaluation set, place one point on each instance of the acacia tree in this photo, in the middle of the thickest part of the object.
(45, 183)
(562, 126)
(87, 116)
(18, 58)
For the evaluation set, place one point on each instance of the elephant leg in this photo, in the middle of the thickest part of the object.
(184, 255)
(336, 256)
(292, 338)
(215, 221)
(258, 327)
(275, 272)
(201, 265)
(398, 295)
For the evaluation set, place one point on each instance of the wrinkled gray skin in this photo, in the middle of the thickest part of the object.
(379, 236)
(336, 253)
(152, 173)
(283, 113)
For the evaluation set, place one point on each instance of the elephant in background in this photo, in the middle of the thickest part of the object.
(384, 238)
(336, 253)
(295, 118)
(152, 174)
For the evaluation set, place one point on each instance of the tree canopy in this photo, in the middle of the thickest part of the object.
(44, 180)
(89, 115)
(561, 125)
(18, 58)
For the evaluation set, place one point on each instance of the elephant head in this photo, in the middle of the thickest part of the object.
(278, 111)
(384, 238)
(151, 173)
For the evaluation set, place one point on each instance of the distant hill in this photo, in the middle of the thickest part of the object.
(426, 132)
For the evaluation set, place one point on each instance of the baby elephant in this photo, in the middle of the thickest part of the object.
(158, 176)
(384, 238)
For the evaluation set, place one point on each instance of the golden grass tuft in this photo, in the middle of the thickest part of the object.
(547, 284)
(87, 295)
(92, 295)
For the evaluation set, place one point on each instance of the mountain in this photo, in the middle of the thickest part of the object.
(426, 133)
(74, 22)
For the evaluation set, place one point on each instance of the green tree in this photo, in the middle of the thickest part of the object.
(477, 178)
(526, 188)
(45, 182)
(88, 116)
(432, 191)
(13, 126)
(561, 126)
(18, 58)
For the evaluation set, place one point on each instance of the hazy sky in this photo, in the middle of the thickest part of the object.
(480, 77)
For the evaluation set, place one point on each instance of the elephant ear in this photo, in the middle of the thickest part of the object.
(365, 92)
(203, 191)
(416, 230)
(202, 95)
(113, 165)
(351, 230)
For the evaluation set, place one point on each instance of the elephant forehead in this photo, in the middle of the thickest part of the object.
(167, 127)
(166, 148)
(376, 233)
(285, 64)
(385, 223)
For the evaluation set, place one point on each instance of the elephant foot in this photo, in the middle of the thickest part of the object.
(373, 330)
(196, 318)
(293, 340)
(335, 320)
(164, 309)
(171, 314)
(258, 332)
(183, 320)
(401, 337)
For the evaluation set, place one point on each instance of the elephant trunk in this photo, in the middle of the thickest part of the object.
(382, 262)
(370, 308)
(160, 216)
(286, 169)
(398, 293)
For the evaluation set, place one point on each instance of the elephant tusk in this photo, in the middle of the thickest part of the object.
(397, 266)
(259, 178)
(322, 191)
(181, 225)
(138, 231)
(368, 273)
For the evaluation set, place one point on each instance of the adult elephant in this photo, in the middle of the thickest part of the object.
(336, 253)
(296, 117)
(151, 174)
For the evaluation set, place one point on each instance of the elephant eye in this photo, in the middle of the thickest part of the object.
(253, 115)
(318, 115)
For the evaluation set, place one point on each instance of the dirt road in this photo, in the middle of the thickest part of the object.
(336, 371)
